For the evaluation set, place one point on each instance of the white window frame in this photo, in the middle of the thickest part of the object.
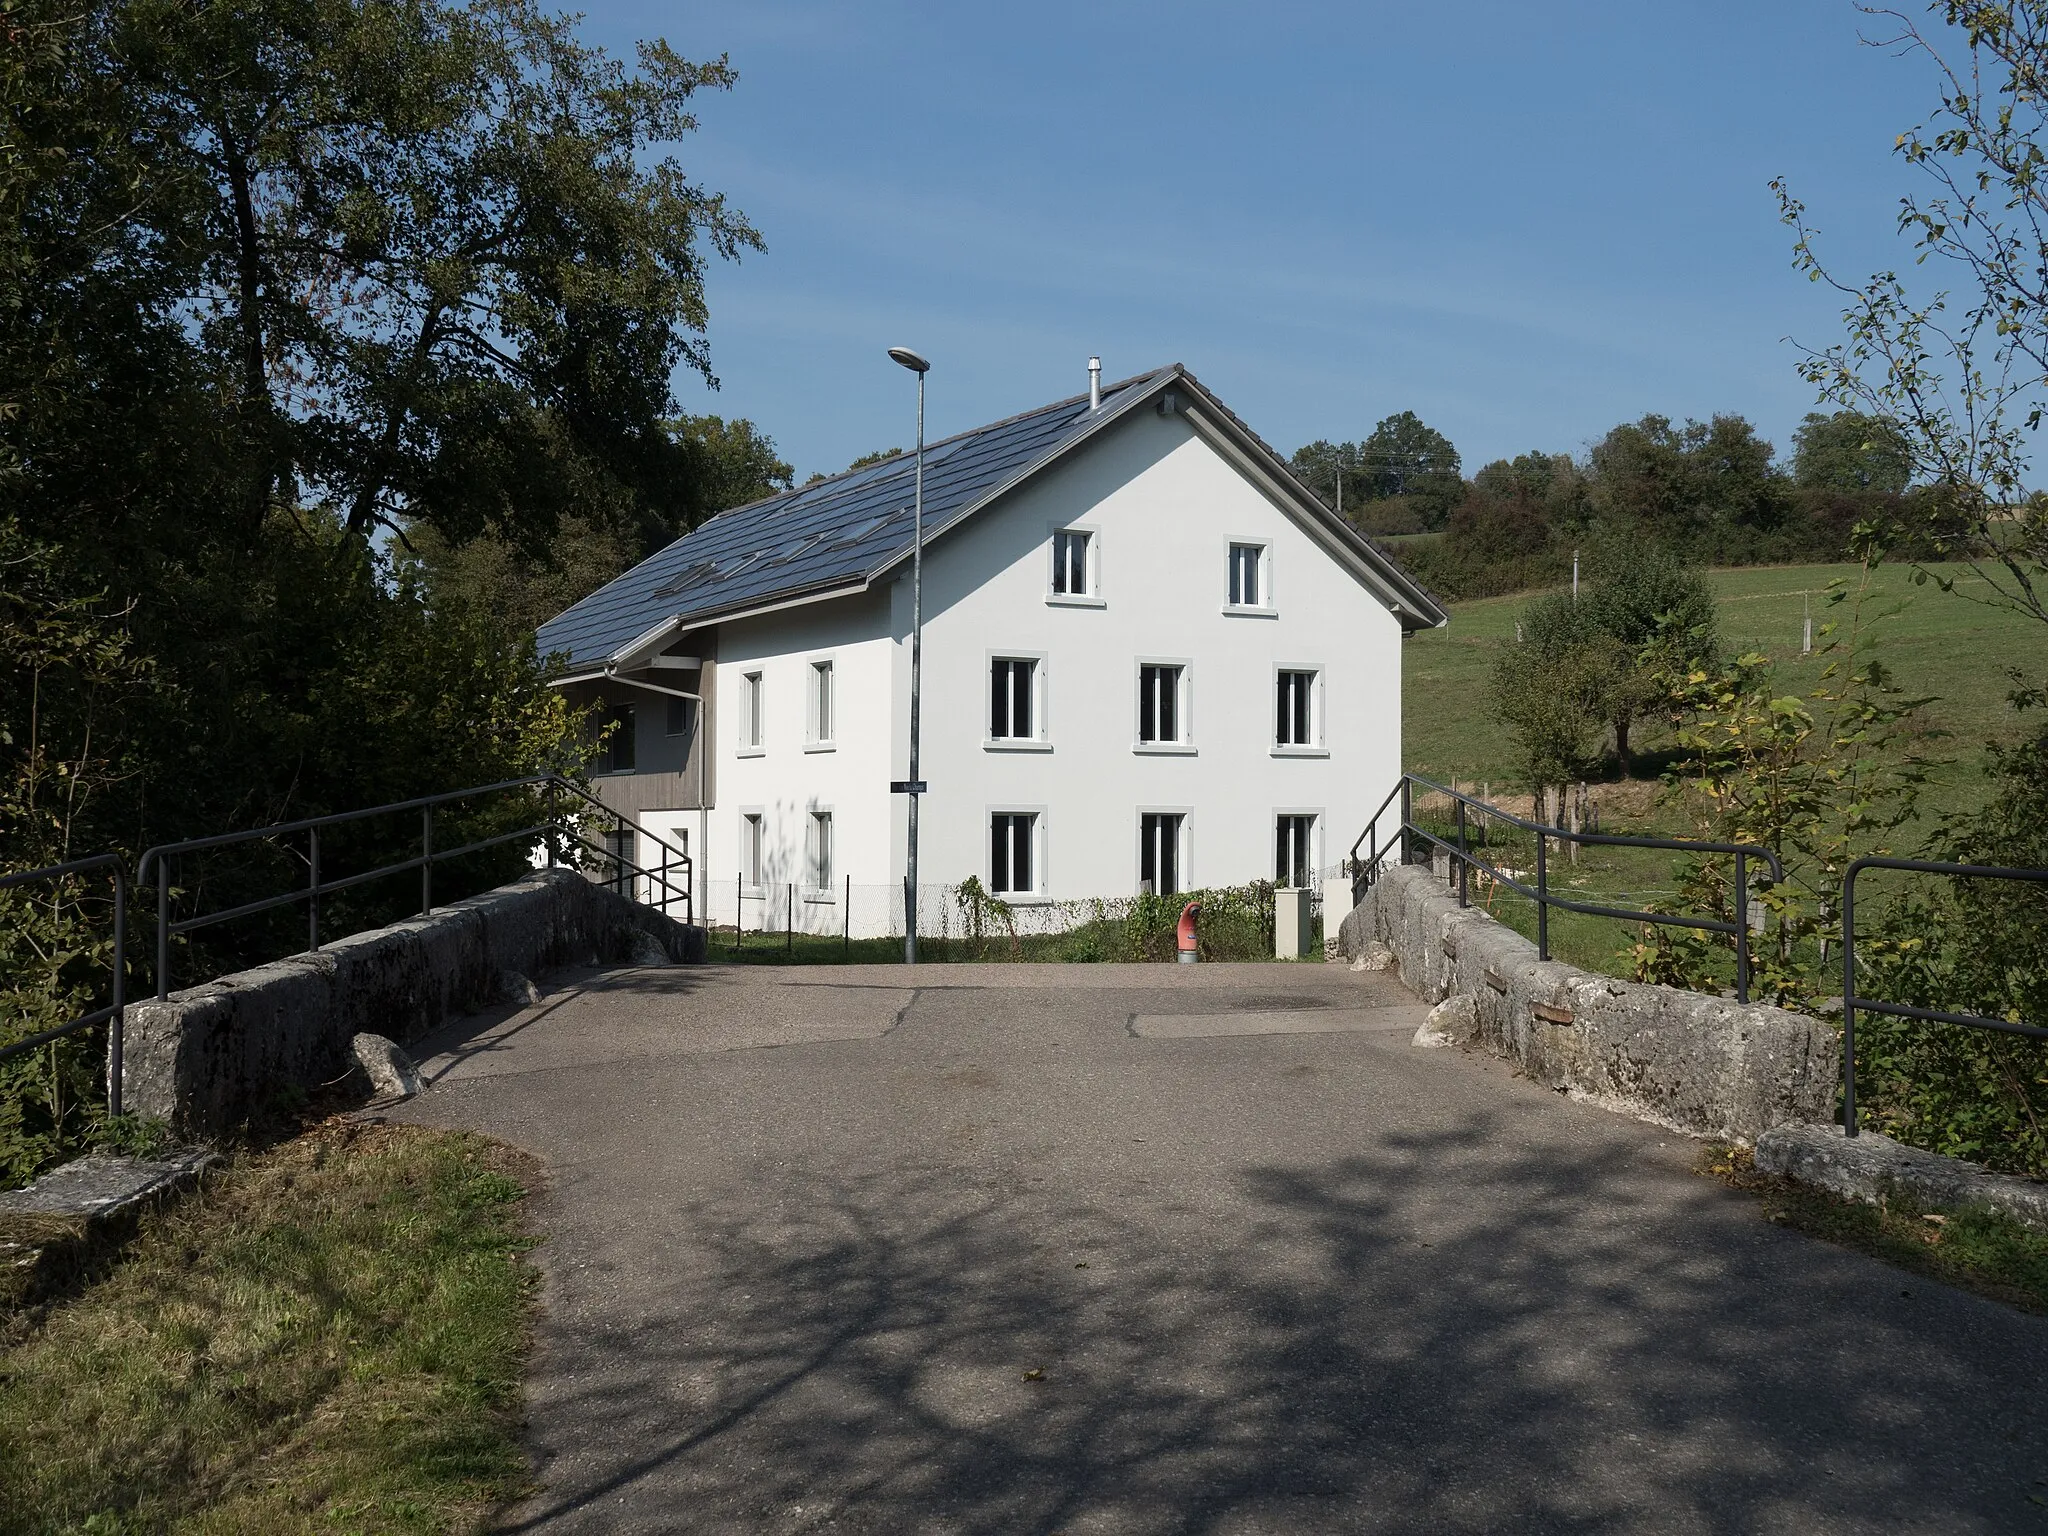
(1183, 850)
(1267, 607)
(753, 713)
(1092, 598)
(1037, 895)
(754, 860)
(1317, 721)
(1315, 837)
(814, 889)
(821, 678)
(1184, 704)
(1041, 696)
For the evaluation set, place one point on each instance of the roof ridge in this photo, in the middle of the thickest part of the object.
(905, 453)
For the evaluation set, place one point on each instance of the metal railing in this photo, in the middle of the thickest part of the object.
(1362, 870)
(111, 1015)
(557, 826)
(1851, 1002)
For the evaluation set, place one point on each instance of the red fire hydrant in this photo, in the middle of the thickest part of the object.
(1184, 932)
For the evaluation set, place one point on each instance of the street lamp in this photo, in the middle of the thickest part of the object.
(912, 787)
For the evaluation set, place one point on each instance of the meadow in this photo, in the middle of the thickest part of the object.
(1938, 644)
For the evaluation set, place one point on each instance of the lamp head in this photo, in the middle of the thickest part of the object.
(909, 359)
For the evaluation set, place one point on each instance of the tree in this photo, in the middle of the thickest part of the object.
(1961, 371)
(429, 248)
(1707, 488)
(1552, 695)
(1405, 459)
(1655, 612)
(1851, 451)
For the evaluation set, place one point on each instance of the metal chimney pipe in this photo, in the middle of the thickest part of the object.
(1094, 383)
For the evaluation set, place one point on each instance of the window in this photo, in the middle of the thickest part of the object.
(1011, 865)
(1294, 717)
(1159, 851)
(821, 704)
(818, 852)
(1159, 703)
(615, 753)
(682, 717)
(750, 712)
(1293, 850)
(1011, 716)
(753, 850)
(618, 860)
(1071, 576)
(1247, 576)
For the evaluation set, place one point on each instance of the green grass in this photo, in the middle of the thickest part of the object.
(1936, 643)
(1974, 1249)
(329, 1337)
(1939, 643)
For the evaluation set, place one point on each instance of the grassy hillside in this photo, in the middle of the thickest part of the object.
(1936, 643)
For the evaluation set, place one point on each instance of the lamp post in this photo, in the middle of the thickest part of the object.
(920, 367)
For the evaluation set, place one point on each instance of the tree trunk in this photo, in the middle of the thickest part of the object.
(1621, 725)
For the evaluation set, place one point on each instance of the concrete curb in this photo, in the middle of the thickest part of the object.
(1873, 1167)
(1699, 1065)
(86, 1206)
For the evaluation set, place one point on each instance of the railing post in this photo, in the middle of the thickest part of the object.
(163, 929)
(1741, 929)
(313, 888)
(739, 911)
(1542, 897)
(789, 918)
(1407, 816)
(1464, 863)
(426, 861)
(114, 1024)
(846, 919)
(1849, 1002)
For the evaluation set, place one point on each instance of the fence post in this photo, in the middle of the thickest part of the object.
(1849, 1003)
(426, 861)
(1464, 863)
(114, 1024)
(1407, 815)
(163, 929)
(739, 911)
(1741, 929)
(1542, 897)
(789, 918)
(313, 889)
(846, 919)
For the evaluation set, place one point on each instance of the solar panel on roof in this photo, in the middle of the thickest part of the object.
(831, 533)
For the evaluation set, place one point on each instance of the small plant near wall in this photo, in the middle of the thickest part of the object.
(1820, 779)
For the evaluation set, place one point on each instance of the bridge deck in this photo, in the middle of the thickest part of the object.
(1045, 1248)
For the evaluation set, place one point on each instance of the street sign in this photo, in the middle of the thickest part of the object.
(908, 787)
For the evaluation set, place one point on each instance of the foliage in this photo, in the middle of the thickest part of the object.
(331, 1339)
(1966, 946)
(1405, 476)
(1961, 374)
(730, 464)
(271, 277)
(1851, 451)
(1590, 663)
(1818, 780)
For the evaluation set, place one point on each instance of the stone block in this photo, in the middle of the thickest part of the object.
(1871, 1167)
(1703, 1065)
(209, 1057)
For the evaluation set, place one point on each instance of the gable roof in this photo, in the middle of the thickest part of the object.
(840, 535)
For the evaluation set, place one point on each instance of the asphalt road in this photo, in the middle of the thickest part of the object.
(1138, 1249)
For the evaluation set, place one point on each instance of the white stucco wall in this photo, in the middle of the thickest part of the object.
(1164, 508)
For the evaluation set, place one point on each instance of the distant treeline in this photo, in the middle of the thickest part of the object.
(1707, 493)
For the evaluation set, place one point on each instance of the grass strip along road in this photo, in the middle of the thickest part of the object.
(329, 1337)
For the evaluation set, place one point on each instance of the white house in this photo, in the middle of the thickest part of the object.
(1152, 658)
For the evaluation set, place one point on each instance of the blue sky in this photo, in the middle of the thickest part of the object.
(1526, 222)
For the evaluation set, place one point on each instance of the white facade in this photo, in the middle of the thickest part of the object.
(1162, 503)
